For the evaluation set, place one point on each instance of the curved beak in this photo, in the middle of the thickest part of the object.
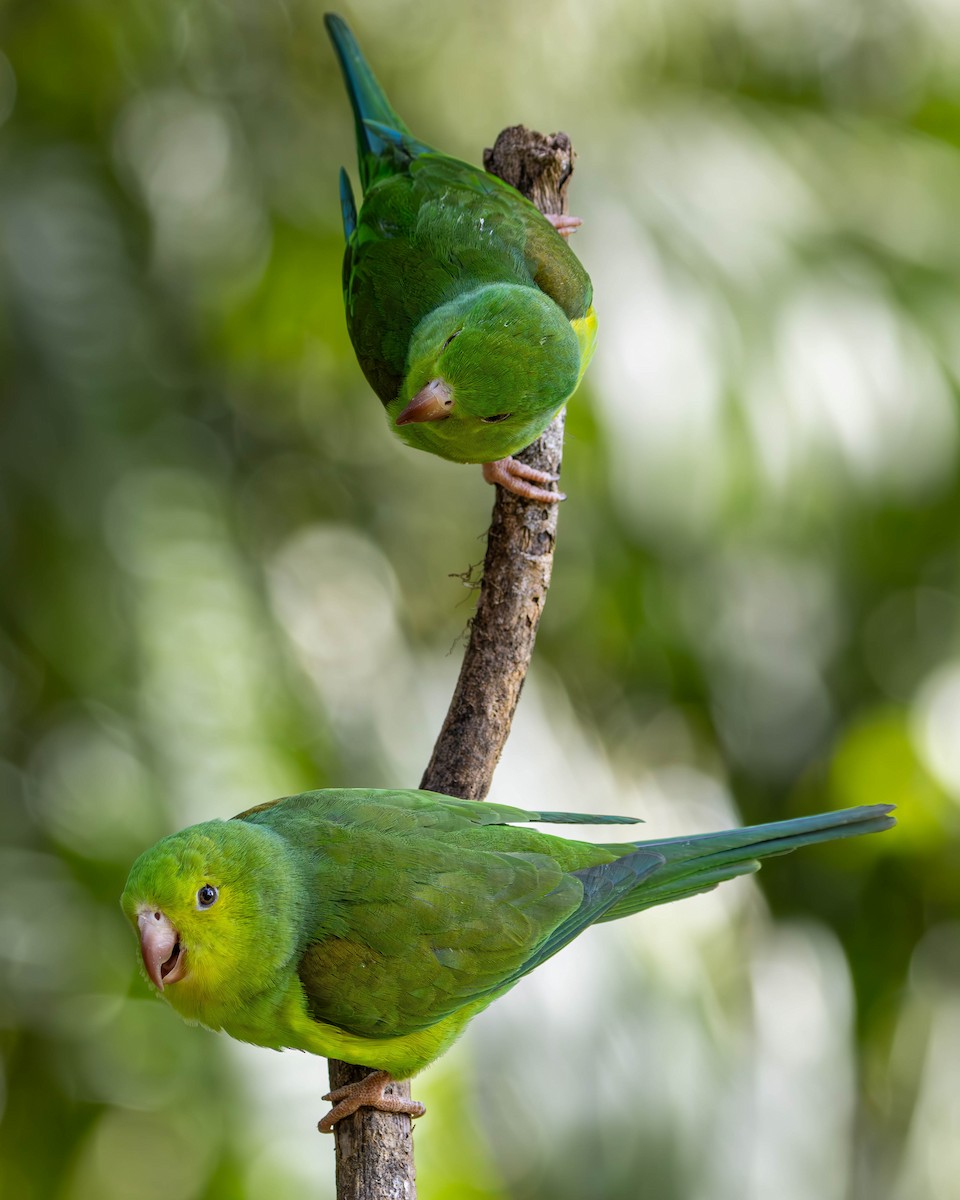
(163, 955)
(432, 403)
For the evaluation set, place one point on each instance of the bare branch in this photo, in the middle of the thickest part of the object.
(516, 575)
(519, 559)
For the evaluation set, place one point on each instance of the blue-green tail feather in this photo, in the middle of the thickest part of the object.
(660, 871)
(379, 129)
(698, 864)
(348, 207)
(401, 140)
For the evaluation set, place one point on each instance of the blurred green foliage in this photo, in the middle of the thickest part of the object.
(224, 581)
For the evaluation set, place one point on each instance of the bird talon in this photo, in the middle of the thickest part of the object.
(367, 1093)
(521, 479)
(563, 223)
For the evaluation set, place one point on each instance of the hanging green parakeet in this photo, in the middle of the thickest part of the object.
(470, 316)
(372, 925)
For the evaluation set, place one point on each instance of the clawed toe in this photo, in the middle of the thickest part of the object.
(522, 480)
(563, 223)
(367, 1093)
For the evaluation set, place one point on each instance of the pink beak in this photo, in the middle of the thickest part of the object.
(163, 956)
(432, 403)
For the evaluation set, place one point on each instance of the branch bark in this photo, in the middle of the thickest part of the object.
(375, 1149)
(519, 558)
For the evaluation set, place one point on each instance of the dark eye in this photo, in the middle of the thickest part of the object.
(450, 339)
(206, 896)
(496, 419)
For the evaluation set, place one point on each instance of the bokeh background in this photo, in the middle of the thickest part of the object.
(223, 580)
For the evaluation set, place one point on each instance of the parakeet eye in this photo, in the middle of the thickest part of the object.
(495, 420)
(206, 896)
(450, 339)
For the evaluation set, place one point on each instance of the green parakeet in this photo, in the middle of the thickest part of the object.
(470, 316)
(372, 925)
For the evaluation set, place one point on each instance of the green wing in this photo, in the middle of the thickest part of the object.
(423, 907)
(445, 928)
(398, 809)
(426, 936)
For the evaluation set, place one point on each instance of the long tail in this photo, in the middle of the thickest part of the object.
(697, 864)
(371, 108)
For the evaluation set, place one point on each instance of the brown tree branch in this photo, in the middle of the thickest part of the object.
(516, 575)
(519, 558)
(375, 1149)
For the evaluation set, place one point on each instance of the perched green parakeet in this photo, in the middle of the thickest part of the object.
(372, 925)
(470, 316)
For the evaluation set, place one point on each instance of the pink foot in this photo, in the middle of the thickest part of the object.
(367, 1093)
(520, 479)
(563, 223)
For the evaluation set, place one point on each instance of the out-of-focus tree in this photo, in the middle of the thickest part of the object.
(223, 580)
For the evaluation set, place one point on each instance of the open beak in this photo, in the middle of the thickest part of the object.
(163, 955)
(432, 403)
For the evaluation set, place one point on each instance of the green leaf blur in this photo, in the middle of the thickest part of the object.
(224, 580)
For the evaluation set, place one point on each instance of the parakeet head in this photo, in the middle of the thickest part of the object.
(217, 909)
(485, 374)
